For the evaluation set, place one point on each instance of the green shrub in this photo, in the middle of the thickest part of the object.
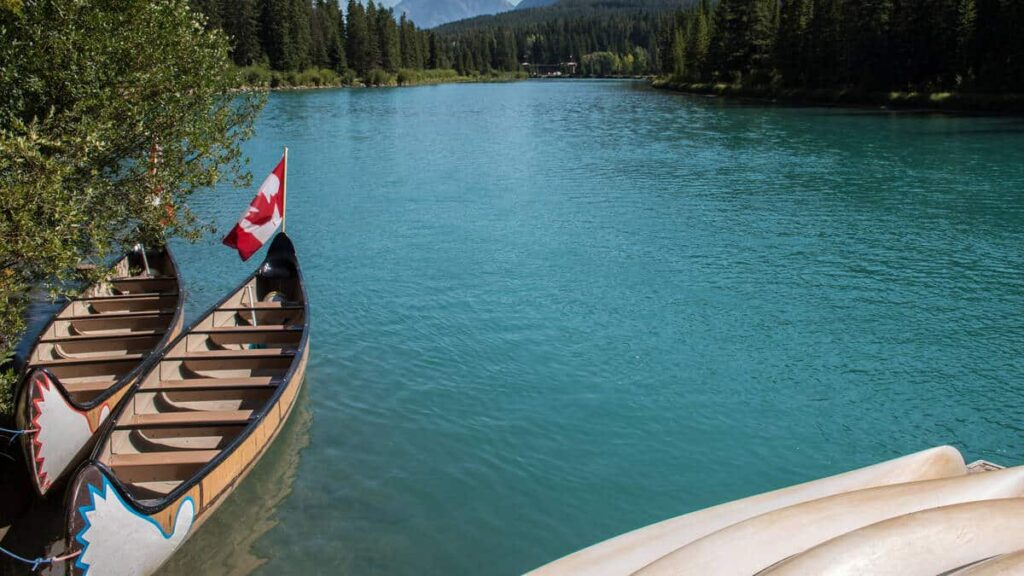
(308, 77)
(408, 76)
(378, 77)
(255, 75)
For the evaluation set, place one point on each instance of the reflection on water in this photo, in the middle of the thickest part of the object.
(229, 542)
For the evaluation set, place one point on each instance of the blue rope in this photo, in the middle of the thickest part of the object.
(36, 563)
(14, 433)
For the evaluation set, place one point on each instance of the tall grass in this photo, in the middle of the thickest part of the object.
(259, 76)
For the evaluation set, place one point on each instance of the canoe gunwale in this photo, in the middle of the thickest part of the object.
(299, 359)
(28, 371)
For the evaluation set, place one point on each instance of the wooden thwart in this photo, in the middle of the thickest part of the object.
(263, 306)
(129, 279)
(212, 384)
(274, 328)
(88, 360)
(189, 418)
(233, 354)
(136, 334)
(133, 296)
(178, 457)
(97, 385)
(117, 315)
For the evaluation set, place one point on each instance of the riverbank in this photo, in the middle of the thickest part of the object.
(259, 77)
(938, 101)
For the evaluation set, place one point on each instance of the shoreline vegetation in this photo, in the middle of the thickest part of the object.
(113, 113)
(257, 77)
(292, 44)
(961, 56)
(953, 102)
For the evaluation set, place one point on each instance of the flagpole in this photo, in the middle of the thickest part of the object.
(284, 189)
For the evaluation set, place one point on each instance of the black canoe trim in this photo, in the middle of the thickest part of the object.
(28, 370)
(281, 252)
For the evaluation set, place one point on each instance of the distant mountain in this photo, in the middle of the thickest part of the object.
(532, 13)
(430, 13)
(527, 4)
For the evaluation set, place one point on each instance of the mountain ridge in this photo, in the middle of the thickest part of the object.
(431, 13)
(527, 4)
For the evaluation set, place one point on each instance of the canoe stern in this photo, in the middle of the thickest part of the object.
(58, 434)
(112, 536)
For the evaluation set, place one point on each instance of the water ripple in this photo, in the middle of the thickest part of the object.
(548, 312)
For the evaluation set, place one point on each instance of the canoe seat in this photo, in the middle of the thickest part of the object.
(263, 306)
(97, 385)
(113, 335)
(177, 457)
(212, 384)
(116, 315)
(233, 354)
(188, 418)
(133, 296)
(88, 360)
(141, 279)
(247, 329)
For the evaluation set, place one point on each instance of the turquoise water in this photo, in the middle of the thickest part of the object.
(545, 313)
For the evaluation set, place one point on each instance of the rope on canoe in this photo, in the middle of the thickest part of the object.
(35, 563)
(15, 433)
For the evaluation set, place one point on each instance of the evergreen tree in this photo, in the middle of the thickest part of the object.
(299, 28)
(437, 57)
(791, 41)
(407, 40)
(241, 23)
(866, 29)
(276, 32)
(700, 39)
(391, 50)
(336, 45)
(318, 36)
(358, 39)
(761, 36)
(745, 37)
(373, 51)
(966, 48)
(678, 53)
(823, 51)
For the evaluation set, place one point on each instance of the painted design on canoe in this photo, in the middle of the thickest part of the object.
(61, 430)
(117, 540)
(201, 414)
(84, 361)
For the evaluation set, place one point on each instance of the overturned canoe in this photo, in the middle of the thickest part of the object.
(926, 543)
(201, 414)
(1004, 565)
(81, 365)
(927, 514)
(813, 523)
(634, 550)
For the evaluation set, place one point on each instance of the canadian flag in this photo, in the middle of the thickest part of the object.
(262, 217)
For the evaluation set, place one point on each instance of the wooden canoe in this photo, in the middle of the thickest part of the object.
(199, 417)
(82, 364)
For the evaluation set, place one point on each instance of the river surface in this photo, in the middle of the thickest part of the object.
(545, 313)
